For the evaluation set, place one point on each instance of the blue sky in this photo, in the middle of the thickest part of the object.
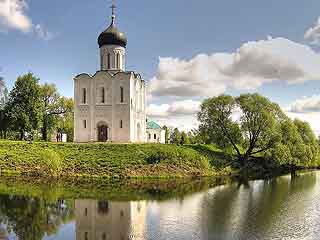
(58, 39)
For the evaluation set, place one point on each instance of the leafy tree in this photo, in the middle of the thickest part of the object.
(309, 139)
(65, 125)
(32, 218)
(53, 106)
(3, 116)
(254, 132)
(175, 136)
(196, 136)
(184, 139)
(24, 105)
(298, 145)
(166, 129)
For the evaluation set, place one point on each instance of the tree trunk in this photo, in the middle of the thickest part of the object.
(21, 134)
(244, 160)
(293, 171)
(45, 129)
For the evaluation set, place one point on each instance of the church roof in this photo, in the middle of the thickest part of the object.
(112, 36)
(153, 125)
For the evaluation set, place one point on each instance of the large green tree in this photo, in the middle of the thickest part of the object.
(248, 123)
(3, 116)
(298, 145)
(184, 138)
(53, 107)
(24, 105)
(65, 125)
(166, 135)
(175, 137)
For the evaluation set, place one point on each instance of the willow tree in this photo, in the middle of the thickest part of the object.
(248, 123)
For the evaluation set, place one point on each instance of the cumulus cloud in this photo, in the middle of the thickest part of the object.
(311, 117)
(252, 65)
(313, 33)
(306, 105)
(13, 15)
(177, 108)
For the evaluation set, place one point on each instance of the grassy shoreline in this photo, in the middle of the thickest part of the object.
(109, 160)
(126, 161)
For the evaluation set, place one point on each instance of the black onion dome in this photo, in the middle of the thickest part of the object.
(112, 36)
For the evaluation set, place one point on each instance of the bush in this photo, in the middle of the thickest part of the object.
(50, 162)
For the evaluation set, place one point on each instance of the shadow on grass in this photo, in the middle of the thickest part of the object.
(217, 157)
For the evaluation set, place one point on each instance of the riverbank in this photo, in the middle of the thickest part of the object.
(110, 160)
(117, 161)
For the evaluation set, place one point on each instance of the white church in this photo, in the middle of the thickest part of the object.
(110, 106)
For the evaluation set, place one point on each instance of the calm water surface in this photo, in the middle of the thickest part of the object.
(281, 208)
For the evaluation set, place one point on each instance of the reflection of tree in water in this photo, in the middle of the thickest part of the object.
(31, 218)
(238, 212)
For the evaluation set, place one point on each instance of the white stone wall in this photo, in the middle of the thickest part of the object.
(156, 136)
(131, 111)
(113, 50)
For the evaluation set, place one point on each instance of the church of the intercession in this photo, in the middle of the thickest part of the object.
(111, 104)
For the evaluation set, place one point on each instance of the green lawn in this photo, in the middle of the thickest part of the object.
(111, 160)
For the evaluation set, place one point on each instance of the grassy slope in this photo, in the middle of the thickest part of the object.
(108, 160)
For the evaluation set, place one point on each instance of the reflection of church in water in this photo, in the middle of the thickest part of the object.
(108, 220)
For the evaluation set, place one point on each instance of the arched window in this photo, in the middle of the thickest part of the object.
(109, 61)
(121, 95)
(103, 207)
(84, 95)
(103, 95)
(155, 136)
(121, 124)
(118, 60)
(104, 236)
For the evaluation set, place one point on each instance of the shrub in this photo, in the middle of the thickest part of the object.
(50, 162)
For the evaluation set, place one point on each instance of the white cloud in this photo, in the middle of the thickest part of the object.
(252, 65)
(312, 118)
(13, 15)
(43, 33)
(177, 108)
(306, 109)
(306, 105)
(183, 123)
(178, 114)
(313, 33)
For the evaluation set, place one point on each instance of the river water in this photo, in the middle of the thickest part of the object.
(280, 208)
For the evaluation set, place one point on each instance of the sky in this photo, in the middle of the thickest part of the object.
(185, 50)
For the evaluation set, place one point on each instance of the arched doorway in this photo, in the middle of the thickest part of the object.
(103, 133)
